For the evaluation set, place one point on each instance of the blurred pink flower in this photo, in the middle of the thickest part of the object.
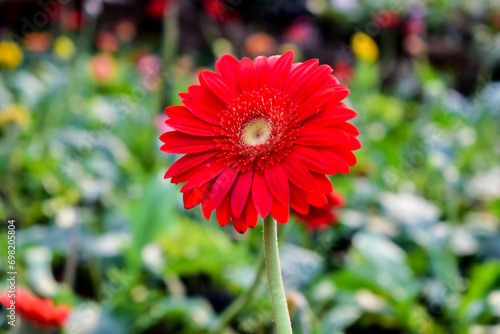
(414, 26)
(149, 64)
(161, 126)
(302, 31)
(102, 68)
(149, 67)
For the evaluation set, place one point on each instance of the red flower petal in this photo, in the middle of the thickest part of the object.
(317, 199)
(206, 201)
(37, 311)
(220, 86)
(187, 162)
(329, 117)
(295, 83)
(313, 159)
(347, 127)
(313, 104)
(261, 194)
(240, 225)
(205, 104)
(321, 137)
(352, 143)
(241, 189)
(249, 214)
(247, 76)
(191, 126)
(340, 164)
(280, 212)
(347, 155)
(298, 200)
(229, 70)
(193, 197)
(313, 83)
(222, 185)
(278, 183)
(298, 174)
(281, 70)
(263, 72)
(213, 168)
(224, 211)
(179, 111)
(341, 92)
(192, 172)
(324, 184)
(178, 142)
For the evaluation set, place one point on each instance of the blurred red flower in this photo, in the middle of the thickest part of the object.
(321, 217)
(71, 19)
(107, 42)
(387, 18)
(37, 41)
(36, 311)
(343, 71)
(259, 136)
(220, 12)
(156, 8)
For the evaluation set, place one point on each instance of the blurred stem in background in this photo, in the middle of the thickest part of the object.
(278, 298)
(234, 309)
(170, 40)
(92, 10)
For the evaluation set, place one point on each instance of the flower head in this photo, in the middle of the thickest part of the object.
(102, 68)
(387, 18)
(157, 8)
(220, 12)
(15, 113)
(11, 54)
(318, 218)
(36, 311)
(37, 41)
(64, 47)
(259, 136)
(364, 47)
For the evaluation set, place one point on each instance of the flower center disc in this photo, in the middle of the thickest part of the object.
(256, 132)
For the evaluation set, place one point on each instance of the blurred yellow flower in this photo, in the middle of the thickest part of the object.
(102, 68)
(64, 48)
(364, 47)
(11, 54)
(15, 113)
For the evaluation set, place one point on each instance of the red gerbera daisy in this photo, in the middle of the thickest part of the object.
(39, 312)
(318, 218)
(259, 136)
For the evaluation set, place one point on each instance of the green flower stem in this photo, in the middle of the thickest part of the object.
(278, 298)
(232, 311)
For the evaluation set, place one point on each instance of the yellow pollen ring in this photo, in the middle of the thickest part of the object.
(256, 132)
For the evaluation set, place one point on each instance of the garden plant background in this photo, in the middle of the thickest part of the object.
(83, 86)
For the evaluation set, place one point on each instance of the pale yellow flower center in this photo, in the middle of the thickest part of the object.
(256, 132)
